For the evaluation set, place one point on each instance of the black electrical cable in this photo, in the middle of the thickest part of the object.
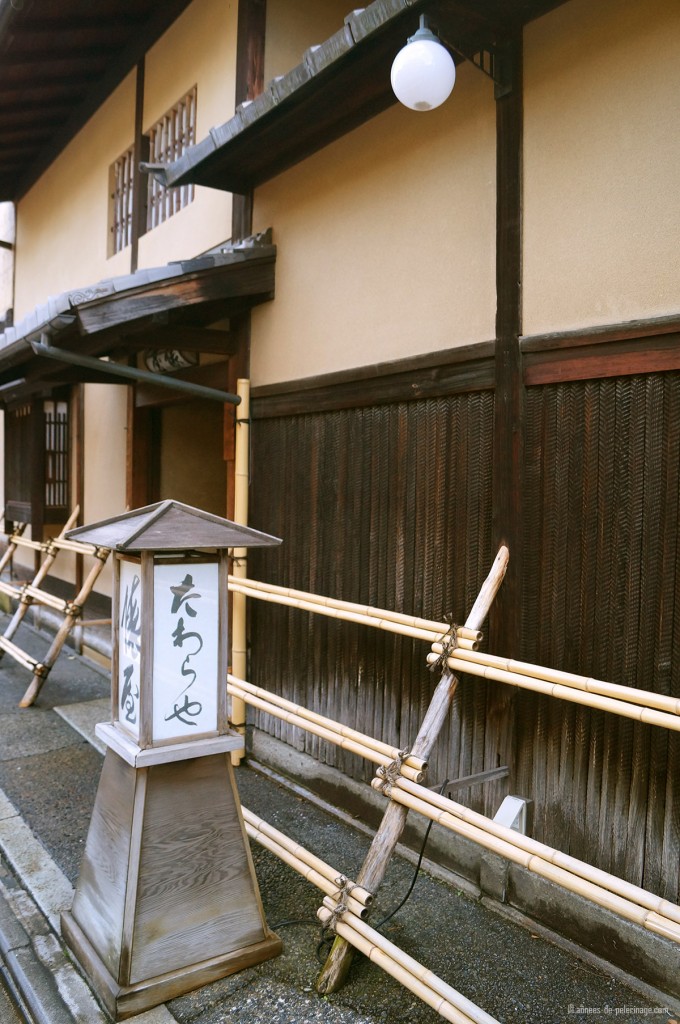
(389, 916)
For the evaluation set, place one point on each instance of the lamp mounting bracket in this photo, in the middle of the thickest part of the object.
(493, 60)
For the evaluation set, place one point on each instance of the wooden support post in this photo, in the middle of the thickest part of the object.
(393, 822)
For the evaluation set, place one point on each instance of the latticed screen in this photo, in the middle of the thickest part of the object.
(56, 454)
(169, 138)
(120, 219)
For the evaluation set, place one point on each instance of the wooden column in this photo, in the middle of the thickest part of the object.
(139, 180)
(505, 624)
(509, 395)
(252, 17)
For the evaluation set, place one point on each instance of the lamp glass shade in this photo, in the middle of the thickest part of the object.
(423, 74)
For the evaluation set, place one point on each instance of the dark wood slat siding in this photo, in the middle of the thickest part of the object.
(375, 505)
(601, 596)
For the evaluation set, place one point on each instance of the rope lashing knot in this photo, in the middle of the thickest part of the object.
(389, 773)
(345, 890)
(48, 547)
(449, 642)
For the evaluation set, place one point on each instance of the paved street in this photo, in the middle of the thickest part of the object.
(49, 769)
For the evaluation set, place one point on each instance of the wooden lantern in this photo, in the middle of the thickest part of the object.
(167, 898)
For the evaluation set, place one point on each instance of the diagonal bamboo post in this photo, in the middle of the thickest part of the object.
(11, 546)
(392, 825)
(51, 553)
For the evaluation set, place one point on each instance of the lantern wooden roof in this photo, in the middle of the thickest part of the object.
(170, 526)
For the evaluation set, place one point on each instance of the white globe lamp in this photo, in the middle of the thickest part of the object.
(423, 72)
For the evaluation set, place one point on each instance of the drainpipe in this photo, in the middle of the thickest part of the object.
(239, 665)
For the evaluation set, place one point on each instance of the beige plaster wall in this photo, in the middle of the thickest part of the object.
(62, 221)
(601, 164)
(385, 241)
(7, 232)
(295, 25)
(198, 49)
(105, 455)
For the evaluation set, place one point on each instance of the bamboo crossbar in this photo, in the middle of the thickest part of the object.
(26, 542)
(346, 742)
(445, 1000)
(20, 656)
(378, 618)
(43, 597)
(76, 546)
(649, 715)
(314, 870)
(623, 898)
(659, 701)
(383, 748)
(362, 896)
(7, 588)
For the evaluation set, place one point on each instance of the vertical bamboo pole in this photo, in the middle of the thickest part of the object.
(238, 607)
(394, 819)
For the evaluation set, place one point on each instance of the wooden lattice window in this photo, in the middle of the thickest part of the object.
(169, 138)
(120, 202)
(56, 455)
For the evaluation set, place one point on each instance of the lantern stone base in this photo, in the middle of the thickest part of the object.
(167, 898)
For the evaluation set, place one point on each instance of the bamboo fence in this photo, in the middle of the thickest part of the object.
(447, 1001)
(457, 652)
(342, 736)
(640, 705)
(422, 982)
(623, 898)
(465, 657)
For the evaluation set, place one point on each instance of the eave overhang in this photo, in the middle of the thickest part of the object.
(170, 306)
(339, 85)
(58, 63)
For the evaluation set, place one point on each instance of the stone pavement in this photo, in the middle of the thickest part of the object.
(49, 767)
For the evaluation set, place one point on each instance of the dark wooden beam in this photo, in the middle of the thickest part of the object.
(139, 181)
(252, 24)
(214, 375)
(455, 371)
(178, 336)
(253, 279)
(509, 396)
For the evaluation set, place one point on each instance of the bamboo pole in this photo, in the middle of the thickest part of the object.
(19, 656)
(586, 683)
(347, 743)
(239, 656)
(329, 886)
(508, 847)
(394, 819)
(431, 625)
(330, 611)
(362, 896)
(12, 541)
(447, 1002)
(382, 748)
(594, 700)
(535, 848)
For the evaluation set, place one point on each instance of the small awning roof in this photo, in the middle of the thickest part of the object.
(163, 308)
(170, 526)
(339, 85)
